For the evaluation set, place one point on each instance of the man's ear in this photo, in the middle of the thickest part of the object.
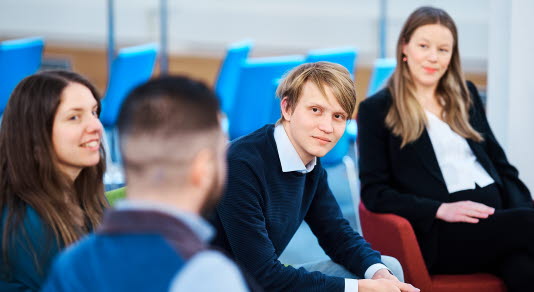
(202, 169)
(286, 111)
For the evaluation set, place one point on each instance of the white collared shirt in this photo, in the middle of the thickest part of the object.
(290, 161)
(459, 166)
(289, 158)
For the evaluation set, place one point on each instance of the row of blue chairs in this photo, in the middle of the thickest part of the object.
(131, 66)
(246, 86)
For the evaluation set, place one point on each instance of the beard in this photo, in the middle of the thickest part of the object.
(213, 196)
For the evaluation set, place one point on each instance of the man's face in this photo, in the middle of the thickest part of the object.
(316, 123)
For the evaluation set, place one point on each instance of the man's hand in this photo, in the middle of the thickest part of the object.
(393, 283)
(384, 274)
(464, 211)
(384, 285)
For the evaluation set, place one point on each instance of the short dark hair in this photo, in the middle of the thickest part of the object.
(168, 105)
(171, 114)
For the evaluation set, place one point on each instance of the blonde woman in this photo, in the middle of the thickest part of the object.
(427, 153)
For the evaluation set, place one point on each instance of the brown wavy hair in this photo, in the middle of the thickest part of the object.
(406, 117)
(29, 176)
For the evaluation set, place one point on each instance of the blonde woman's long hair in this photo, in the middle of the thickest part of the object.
(406, 117)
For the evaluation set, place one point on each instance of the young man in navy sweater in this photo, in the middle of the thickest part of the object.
(275, 181)
(156, 240)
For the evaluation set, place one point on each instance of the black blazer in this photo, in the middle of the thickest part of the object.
(408, 181)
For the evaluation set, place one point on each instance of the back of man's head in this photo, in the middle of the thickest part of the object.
(165, 125)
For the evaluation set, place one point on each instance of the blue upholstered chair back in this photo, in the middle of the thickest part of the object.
(382, 70)
(345, 56)
(131, 67)
(255, 92)
(18, 59)
(228, 78)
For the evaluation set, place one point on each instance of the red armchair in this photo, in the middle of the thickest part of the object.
(393, 235)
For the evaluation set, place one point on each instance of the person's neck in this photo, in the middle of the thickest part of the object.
(70, 174)
(180, 199)
(426, 94)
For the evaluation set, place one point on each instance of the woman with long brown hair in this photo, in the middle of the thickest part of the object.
(427, 153)
(51, 168)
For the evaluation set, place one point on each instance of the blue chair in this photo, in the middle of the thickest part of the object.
(345, 56)
(18, 59)
(382, 70)
(253, 103)
(226, 84)
(131, 67)
(340, 155)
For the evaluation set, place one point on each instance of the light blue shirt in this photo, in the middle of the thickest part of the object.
(290, 161)
(205, 271)
(289, 158)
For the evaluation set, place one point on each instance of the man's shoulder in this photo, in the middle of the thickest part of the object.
(254, 148)
(114, 246)
(98, 261)
(77, 251)
(211, 258)
(107, 257)
(222, 273)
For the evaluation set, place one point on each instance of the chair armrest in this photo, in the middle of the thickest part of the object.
(394, 236)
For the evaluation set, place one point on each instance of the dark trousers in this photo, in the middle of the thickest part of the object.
(502, 244)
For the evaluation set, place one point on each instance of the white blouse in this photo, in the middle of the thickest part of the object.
(458, 164)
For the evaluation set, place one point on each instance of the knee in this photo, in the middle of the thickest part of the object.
(395, 267)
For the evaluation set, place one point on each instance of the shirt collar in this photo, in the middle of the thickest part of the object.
(289, 158)
(197, 224)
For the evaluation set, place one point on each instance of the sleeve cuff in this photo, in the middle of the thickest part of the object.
(351, 285)
(373, 269)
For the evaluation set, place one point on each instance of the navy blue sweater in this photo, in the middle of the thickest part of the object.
(263, 207)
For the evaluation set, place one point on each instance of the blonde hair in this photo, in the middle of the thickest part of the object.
(321, 74)
(406, 117)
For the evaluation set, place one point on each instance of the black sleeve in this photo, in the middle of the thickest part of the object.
(242, 217)
(516, 194)
(337, 238)
(377, 190)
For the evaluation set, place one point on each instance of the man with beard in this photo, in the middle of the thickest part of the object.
(156, 240)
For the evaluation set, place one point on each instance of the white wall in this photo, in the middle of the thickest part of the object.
(207, 26)
(510, 84)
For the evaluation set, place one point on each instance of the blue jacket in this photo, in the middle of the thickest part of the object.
(140, 250)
